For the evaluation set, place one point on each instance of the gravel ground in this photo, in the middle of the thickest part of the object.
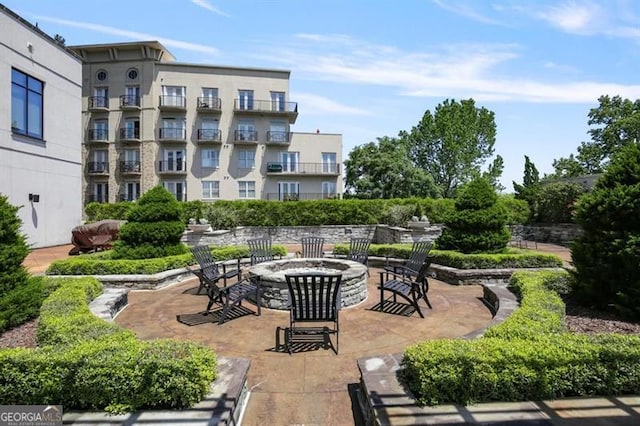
(578, 320)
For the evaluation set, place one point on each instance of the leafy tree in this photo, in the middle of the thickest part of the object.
(555, 202)
(616, 123)
(13, 248)
(494, 172)
(530, 187)
(385, 170)
(607, 255)
(452, 143)
(153, 229)
(479, 222)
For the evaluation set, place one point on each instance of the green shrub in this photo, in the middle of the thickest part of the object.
(86, 363)
(153, 229)
(101, 211)
(607, 255)
(517, 210)
(555, 202)
(478, 224)
(527, 357)
(398, 215)
(23, 303)
(13, 248)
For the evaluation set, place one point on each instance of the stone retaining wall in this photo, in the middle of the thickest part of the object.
(555, 233)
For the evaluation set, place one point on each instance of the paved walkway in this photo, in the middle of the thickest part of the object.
(318, 387)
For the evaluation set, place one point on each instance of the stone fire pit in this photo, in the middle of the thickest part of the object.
(274, 285)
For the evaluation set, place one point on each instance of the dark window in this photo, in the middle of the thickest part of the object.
(132, 74)
(26, 104)
(101, 75)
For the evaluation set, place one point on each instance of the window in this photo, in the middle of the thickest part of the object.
(328, 189)
(277, 101)
(131, 129)
(174, 161)
(247, 189)
(131, 191)
(289, 161)
(100, 130)
(209, 98)
(100, 98)
(288, 191)
(131, 160)
(173, 129)
(100, 163)
(132, 74)
(100, 192)
(329, 162)
(132, 96)
(101, 75)
(210, 189)
(246, 159)
(246, 131)
(245, 99)
(177, 188)
(26, 104)
(173, 96)
(210, 158)
(278, 132)
(209, 131)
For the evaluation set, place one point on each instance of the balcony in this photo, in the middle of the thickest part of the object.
(129, 135)
(98, 168)
(130, 168)
(98, 103)
(97, 198)
(267, 107)
(249, 137)
(98, 135)
(172, 103)
(128, 197)
(209, 135)
(209, 105)
(302, 196)
(178, 167)
(309, 169)
(129, 102)
(172, 134)
(278, 138)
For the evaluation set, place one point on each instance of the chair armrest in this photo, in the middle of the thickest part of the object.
(384, 276)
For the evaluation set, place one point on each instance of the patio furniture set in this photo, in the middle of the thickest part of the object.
(314, 295)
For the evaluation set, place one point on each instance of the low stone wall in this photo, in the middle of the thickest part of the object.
(555, 233)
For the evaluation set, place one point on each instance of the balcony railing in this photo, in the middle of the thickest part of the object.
(303, 196)
(304, 168)
(172, 134)
(173, 102)
(130, 167)
(172, 166)
(98, 135)
(98, 103)
(209, 104)
(245, 136)
(209, 135)
(129, 102)
(267, 107)
(98, 198)
(129, 134)
(278, 138)
(97, 167)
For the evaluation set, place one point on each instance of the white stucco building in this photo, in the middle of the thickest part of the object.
(40, 130)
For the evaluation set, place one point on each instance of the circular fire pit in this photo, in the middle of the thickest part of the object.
(274, 285)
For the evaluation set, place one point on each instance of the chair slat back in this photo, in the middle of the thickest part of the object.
(207, 263)
(314, 297)
(418, 256)
(313, 247)
(260, 249)
(359, 250)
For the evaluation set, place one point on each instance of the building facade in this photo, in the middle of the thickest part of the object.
(40, 132)
(203, 132)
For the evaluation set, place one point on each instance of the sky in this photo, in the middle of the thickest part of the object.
(371, 68)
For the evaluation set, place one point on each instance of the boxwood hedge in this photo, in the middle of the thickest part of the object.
(527, 357)
(83, 362)
(102, 264)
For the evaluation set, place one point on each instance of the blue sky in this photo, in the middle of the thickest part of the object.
(368, 69)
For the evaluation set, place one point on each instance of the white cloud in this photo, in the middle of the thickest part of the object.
(133, 35)
(319, 105)
(458, 71)
(468, 11)
(208, 6)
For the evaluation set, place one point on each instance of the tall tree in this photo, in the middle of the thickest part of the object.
(383, 169)
(530, 187)
(615, 123)
(452, 143)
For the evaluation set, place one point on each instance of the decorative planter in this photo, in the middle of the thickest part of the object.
(197, 227)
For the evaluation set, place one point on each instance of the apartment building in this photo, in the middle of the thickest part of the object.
(204, 132)
(40, 133)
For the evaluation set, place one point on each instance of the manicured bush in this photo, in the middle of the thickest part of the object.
(517, 210)
(398, 215)
(478, 224)
(101, 211)
(607, 255)
(23, 302)
(86, 363)
(153, 229)
(555, 202)
(527, 357)
(13, 248)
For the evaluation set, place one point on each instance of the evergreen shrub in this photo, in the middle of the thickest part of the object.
(13, 248)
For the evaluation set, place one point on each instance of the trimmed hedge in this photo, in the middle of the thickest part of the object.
(84, 362)
(512, 258)
(23, 303)
(527, 357)
(102, 264)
